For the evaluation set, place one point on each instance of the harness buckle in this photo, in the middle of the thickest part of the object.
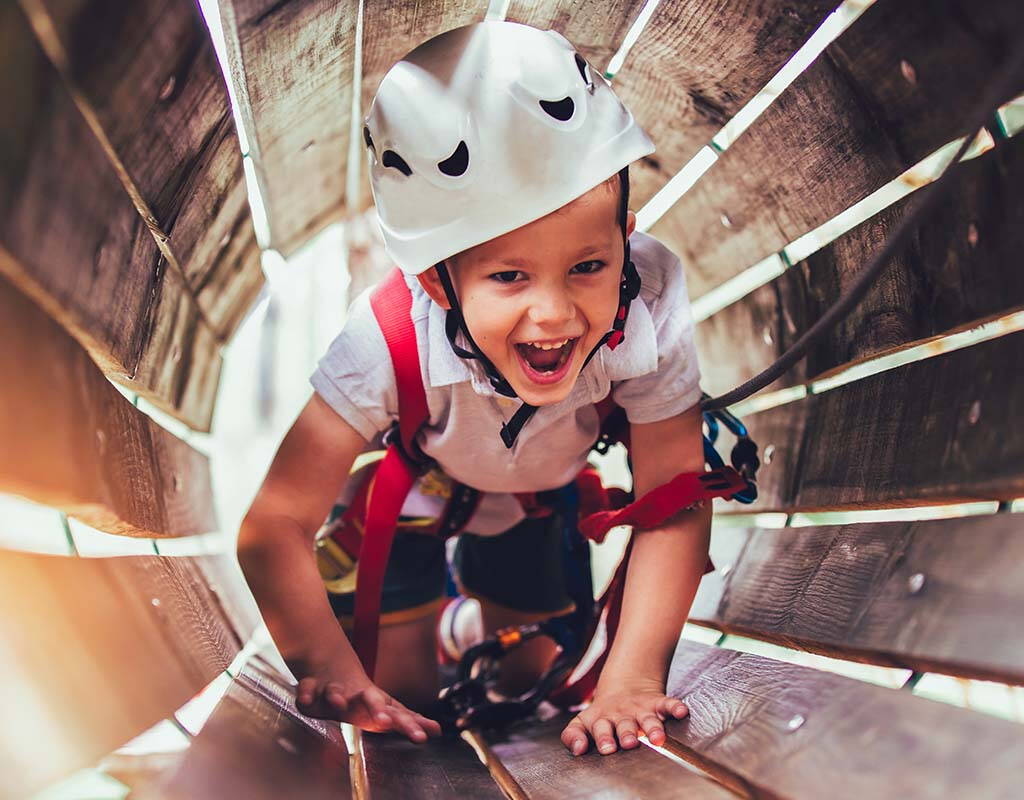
(419, 460)
(467, 702)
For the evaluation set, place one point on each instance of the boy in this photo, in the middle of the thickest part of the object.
(499, 170)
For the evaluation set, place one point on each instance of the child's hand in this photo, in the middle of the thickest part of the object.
(362, 704)
(622, 712)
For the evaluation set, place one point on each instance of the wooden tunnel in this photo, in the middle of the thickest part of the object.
(128, 254)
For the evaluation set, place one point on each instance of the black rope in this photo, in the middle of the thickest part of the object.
(927, 198)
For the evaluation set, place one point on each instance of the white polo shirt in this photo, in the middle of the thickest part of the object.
(653, 374)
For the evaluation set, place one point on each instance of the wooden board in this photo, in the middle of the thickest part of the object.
(935, 431)
(537, 759)
(392, 29)
(71, 238)
(884, 95)
(961, 267)
(72, 441)
(96, 651)
(153, 89)
(850, 591)
(226, 582)
(597, 29)
(254, 748)
(695, 65)
(772, 729)
(439, 768)
(292, 64)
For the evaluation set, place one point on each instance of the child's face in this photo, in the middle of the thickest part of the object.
(539, 298)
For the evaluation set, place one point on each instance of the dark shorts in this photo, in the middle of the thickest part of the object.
(520, 570)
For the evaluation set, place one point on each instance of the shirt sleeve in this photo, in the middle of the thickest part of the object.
(355, 376)
(674, 386)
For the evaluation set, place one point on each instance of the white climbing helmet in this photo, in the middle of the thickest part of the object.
(483, 129)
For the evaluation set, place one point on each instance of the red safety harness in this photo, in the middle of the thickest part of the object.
(367, 528)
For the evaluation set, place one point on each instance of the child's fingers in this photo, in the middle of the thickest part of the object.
(603, 738)
(405, 722)
(653, 728)
(432, 727)
(625, 729)
(334, 694)
(305, 693)
(574, 737)
(377, 705)
(672, 707)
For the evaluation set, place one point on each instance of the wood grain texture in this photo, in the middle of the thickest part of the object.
(772, 729)
(597, 29)
(440, 768)
(292, 62)
(539, 762)
(151, 82)
(71, 238)
(846, 591)
(72, 441)
(226, 582)
(391, 30)
(961, 267)
(934, 431)
(893, 88)
(255, 748)
(695, 65)
(95, 652)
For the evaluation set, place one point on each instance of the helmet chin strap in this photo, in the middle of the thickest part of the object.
(629, 288)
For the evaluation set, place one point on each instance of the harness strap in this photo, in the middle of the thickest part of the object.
(683, 491)
(391, 484)
(652, 509)
(391, 302)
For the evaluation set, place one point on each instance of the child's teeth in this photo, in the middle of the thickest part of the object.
(554, 346)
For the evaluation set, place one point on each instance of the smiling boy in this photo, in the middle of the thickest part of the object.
(499, 168)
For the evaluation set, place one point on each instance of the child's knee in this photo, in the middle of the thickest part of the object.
(407, 662)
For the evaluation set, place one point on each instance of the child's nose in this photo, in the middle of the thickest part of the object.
(551, 307)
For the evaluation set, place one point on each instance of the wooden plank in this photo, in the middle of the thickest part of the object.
(597, 29)
(72, 441)
(439, 768)
(851, 591)
(771, 729)
(155, 92)
(225, 581)
(71, 239)
(934, 431)
(292, 64)
(135, 638)
(391, 30)
(254, 748)
(535, 756)
(696, 64)
(961, 267)
(892, 89)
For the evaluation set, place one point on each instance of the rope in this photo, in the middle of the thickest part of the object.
(928, 198)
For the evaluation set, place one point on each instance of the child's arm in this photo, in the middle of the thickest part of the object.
(275, 550)
(665, 568)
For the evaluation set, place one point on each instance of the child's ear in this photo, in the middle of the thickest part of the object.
(431, 283)
(630, 223)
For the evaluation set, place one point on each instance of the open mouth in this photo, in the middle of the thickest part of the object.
(546, 363)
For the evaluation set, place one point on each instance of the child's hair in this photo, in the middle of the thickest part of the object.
(622, 178)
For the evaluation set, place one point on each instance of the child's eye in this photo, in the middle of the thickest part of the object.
(588, 267)
(508, 276)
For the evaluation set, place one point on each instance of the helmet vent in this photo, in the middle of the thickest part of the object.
(368, 139)
(457, 163)
(392, 159)
(562, 110)
(584, 69)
